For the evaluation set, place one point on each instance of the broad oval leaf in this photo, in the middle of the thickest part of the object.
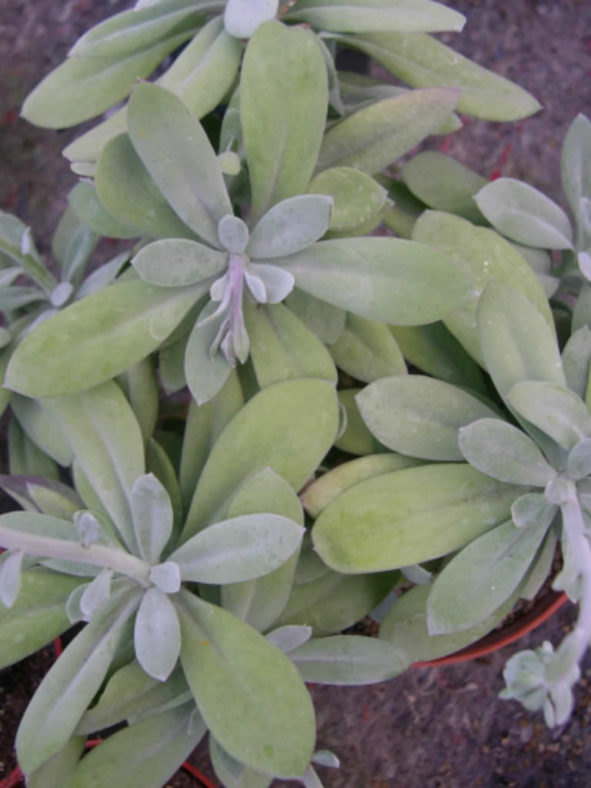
(482, 577)
(70, 685)
(289, 226)
(348, 660)
(421, 61)
(409, 517)
(282, 348)
(37, 616)
(387, 279)
(524, 214)
(243, 17)
(249, 693)
(205, 373)
(502, 451)
(482, 255)
(419, 416)
(97, 338)
(178, 262)
(288, 427)
(358, 200)
(366, 350)
(377, 135)
(283, 105)
(241, 548)
(325, 320)
(152, 514)
(359, 16)
(147, 753)
(84, 201)
(178, 155)
(157, 634)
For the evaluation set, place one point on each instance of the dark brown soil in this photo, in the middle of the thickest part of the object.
(441, 727)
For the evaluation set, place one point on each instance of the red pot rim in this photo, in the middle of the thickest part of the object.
(498, 638)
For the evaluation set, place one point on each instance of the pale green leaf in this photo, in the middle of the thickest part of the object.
(354, 437)
(348, 660)
(576, 360)
(243, 17)
(175, 150)
(524, 214)
(288, 427)
(408, 517)
(419, 416)
(58, 770)
(178, 262)
(249, 693)
(152, 514)
(533, 510)
(481, 577)
(377, 135)
(421, 61)
(283, 105)
(97, 338)
(366, 350)
(325, 320)
(41, 428)
(502, 451)
(358, 200)
(289, 226)
(157, 634)
(84, 201)
(205, 372)
(388, 279)
(576, 170)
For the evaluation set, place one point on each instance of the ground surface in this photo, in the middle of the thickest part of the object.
(434, 726)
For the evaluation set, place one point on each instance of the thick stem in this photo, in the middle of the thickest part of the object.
(95, 555)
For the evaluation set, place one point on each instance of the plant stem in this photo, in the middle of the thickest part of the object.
(95, 555)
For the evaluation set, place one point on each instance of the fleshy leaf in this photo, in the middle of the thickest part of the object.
(152, 514)
(524, 214)
(178, 262)
(157, 634)
(408, 517)
(366, 350)
(502, 451)
(243, 17)
(359, 201)
(84, 201)
(248, 691)
(283, 105)
(419, 416)
(533, 510)
(10, 577)
(387, 279)
(289, 226)
(481, 577)
(205, 372)
(576, 171)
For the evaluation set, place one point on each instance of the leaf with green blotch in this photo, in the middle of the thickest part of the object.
(405, 627)
(238, 549)
(38, 615)
(331, 602)
(388, 279)
(366, 350)
(419, 416)
(249, 693)
(289, 226)
(106, 440)
(502, 451)
(325, 320)
(482, 255)
(82, 87)
(515, 340)
(409, 517)
(282, 348)
(59, 769)
(355, 438)
(260, 602)
(377, 135)
(434, 350)
(177, 153)
(84, 201)
(358, 200)
(288, 426)
(325, 489)
(65, 692)
(282, 117)
(147, 753)
(348, 660)
(554, 409)
(128, 192)
(444, 184)
(524, 214)
(576, 172)
(97, 338)
(359, 16)
(41, 428)
(176, 262)
(421, 61)
(481, 577)
(203, 427)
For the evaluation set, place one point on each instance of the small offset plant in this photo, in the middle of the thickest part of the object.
(179, 414)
